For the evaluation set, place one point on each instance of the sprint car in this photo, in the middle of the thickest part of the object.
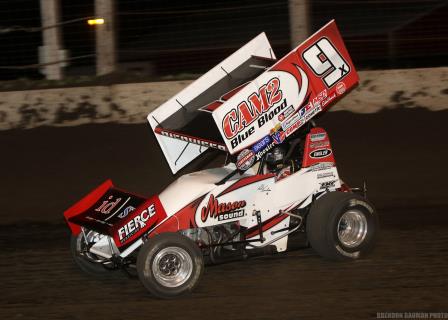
(279, 179)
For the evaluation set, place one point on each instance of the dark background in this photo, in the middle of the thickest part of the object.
(161, 38)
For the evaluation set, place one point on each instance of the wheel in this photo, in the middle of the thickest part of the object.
(85, 263)
(170, 265)
(342, 226)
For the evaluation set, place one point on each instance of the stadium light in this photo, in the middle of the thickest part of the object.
(93, 22)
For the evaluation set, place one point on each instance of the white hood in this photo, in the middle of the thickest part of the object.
(193, 185)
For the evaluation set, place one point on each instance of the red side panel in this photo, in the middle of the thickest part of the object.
(317, 148)
(122, 215)
(212, 106)
(182, 220)
(145, 217)
(85, 203)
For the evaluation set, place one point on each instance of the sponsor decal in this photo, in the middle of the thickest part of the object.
(291, 121)
(285, 114)
(260, 123)
(322, 144)
(107, 206)
(264, 188)
(136, 224)
(320, 153)
(278, 137)
(340, 88)
(126, 211)
(262, 147)
(305, 114)
(325, 175)
(232, 215)
(318, 99)
(276, 128)
(261, 153)
(204, 143)
(245, 159)
(222, 211)
(250, 110)
(263, 105)
(310, 110)
(293, 128)
(328, 99)
(321, 166)
(327, 184)
(318, 136)
(261, 144)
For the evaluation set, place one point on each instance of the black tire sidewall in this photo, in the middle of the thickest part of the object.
(147, 254)
(322, 225)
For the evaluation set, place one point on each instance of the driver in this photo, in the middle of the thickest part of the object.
(274, 159)
(276, 163)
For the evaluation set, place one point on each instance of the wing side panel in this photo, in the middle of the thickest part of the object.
(277, 103)
(172, 149)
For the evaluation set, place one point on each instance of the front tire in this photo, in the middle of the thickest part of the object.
(170, 265)
(342, 226)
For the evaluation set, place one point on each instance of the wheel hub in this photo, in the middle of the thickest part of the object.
(172, 266)
(352, 228)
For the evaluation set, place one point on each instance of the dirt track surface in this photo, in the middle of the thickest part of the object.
(406, 273)
(401, 153)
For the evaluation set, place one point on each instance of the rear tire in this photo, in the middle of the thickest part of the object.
(342, 226)
(170, 265)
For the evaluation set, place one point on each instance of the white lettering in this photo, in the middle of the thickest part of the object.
(136, 224)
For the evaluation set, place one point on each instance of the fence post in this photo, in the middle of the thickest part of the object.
(299, 21)
(105, 37)
(51, 34)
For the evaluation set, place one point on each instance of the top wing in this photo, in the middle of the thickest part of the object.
(283, 98)
(184, 126)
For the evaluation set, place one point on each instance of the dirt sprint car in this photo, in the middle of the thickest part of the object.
(280, 175)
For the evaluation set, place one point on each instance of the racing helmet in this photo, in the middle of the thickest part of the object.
(274, 158)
